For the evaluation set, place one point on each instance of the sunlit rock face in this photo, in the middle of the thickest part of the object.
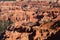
(30, 20)
(39, 0)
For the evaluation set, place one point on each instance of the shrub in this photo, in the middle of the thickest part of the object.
(9, 21)
(3, 26)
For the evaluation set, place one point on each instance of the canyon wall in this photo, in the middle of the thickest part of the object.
(30, 20)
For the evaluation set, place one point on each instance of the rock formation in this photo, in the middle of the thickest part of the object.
(30, 20)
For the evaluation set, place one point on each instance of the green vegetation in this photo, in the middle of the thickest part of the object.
(3, 26)
(9, 21)
(55, 25)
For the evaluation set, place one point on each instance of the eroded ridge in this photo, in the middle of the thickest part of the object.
(29, 21)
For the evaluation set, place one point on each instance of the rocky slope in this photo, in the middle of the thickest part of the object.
(30, 20)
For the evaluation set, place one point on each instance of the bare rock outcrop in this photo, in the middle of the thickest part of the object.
(29, 21)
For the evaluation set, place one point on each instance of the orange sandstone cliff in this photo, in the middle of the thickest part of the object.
(31, 20)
